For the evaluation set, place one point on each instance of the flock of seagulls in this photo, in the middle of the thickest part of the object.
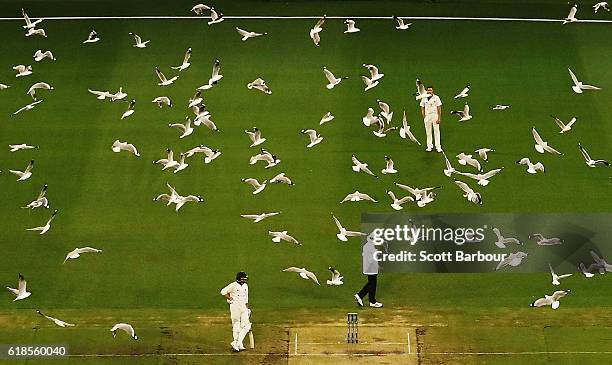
(420, 196)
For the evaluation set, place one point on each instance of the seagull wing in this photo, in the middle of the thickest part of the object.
(584, 152)
(329, 75)
(574, 78)
(338, 223)
(536, 136)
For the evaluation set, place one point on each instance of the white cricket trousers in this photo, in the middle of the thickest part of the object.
(241, 325)
(430, 121)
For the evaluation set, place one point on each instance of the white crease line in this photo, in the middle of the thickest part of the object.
(314, 17)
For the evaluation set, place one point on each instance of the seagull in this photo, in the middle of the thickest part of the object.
(92, 37)
(119, 95)
(29, 24)
(579, 86)
(162, 100)
(344, 232)
(389, 169)
(22, 146)
(204, 119)
(564, 127)
(101, 95)
(602, 4)
(405, 131)
(482, 152)
(336, 278)
(185, 63)
(40, 201)
(76, 253)
(38, 85)
(4, 86)
(21, 292)
(282, 236)
(40, 55)
(359, 166)
(45, 228)
(385, 110)
(124, 146)
(214, 78)
(350, 26)
(139, 42)
(246, 34)
(357, 196)
(215, 17)
(463, 93)
(210, 155)
(304, 274)
(400, 23)
(464, 114)
(333, 80)
(126, 328)
(514, 259)
(259, 217)
(397, 203)
(382, 132)
(532, 168)
(543, 241)
(601, 263)
(168, 162)
(163, 81)
(182, 165)
(555, 277)
(33, 31)
(542, 146)
(468, 193)
(266, 156)
(173, 197)
(259, 84)
(421, 92)
(55, 320)
(374, 74)
(464, 160)
(199, 9)
(24, 175)
(314, 32)
(28, 107)
(369, 83)
(185, 199)
(315, 137)
(198, 149)
(571, 17)
(503, 241)
(185, 128)
(483, 179)
(255, 136)
(23, 70)
(589, 161)
(255, 184)
(130, 109)
(328, 117)
(370, 118)
(281, 178)
(501, 107)
(585, 271)
(552, 300)
(449, 170)
(417, 192)
(196, 99)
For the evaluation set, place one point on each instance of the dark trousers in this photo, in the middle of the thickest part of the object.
(369, 289)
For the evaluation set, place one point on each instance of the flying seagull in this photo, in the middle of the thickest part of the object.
(589, 161)
(328, 117)
(464, 160)
(127, 328)
(405, 130)
(555, 277)
(389, 168)
(579, 86)
(40, 201)
(503, 241)
(255, 136)
(246, 34)
(76, 253)
(552, 300)
(532, 168)
(336, 278)
(314, 136)
(46, 227)
(463, 93)
(542, 146)
(344, 233)
(400, 23)
(185, 63)
(39, 55)
(543, 241)
(28, 107)
(255, 184)
(314, 32)
(29, 23)
(464, 115)
(564, 127)
(571, 17)
(482, 152)
(514, 259)
(483, 179)
(259, 217)
(21, 291)
(278, 236)
(357, 196)
(397, 203)
(24, 175)
(58, 322)
(130, 109)
(163, 81)
(360, 166)
(139, 43)
(259, 84)
(281, 178)
(350, 26)
(469, 193)
(124, 146)
(92, 37)
(333, 80)
(601, 5)
(304, 274)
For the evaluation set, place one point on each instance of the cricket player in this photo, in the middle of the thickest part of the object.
(237, 295)
(431, 109)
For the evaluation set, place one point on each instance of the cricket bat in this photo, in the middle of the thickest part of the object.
(251, 339)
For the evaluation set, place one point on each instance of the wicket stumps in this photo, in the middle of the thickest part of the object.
(353, 328)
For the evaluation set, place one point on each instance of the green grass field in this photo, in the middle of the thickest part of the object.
(162, 270)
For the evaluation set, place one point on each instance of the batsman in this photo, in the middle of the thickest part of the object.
(237, 295)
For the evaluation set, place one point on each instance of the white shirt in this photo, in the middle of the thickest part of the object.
(431, 105)
(239, 293)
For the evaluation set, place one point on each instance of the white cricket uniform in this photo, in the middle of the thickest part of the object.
(241, 325)
(431, 116)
